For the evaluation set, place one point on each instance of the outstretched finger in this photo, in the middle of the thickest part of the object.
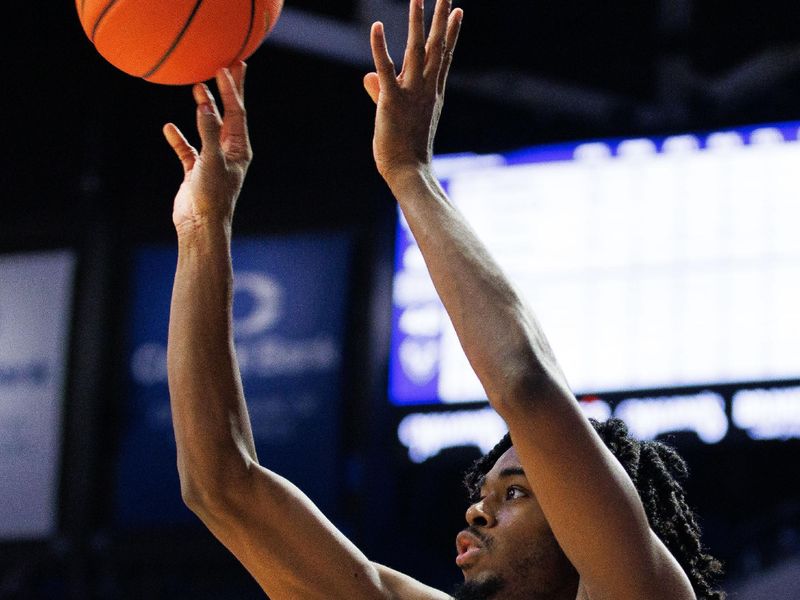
(185, 151)
(384, 65)
(232, 100)
(209, 122)
(453, 29)
(434, 49)
(234, 126)
(238, 71)
(414, 60)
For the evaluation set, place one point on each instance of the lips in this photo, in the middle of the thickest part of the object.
(468, 547)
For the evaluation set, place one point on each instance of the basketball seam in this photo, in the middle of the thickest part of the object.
(249, 30)
(100, 17)
(175, 43)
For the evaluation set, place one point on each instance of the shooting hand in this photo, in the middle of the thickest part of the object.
(213, 177)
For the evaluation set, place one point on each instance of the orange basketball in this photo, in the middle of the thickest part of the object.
(176, 41)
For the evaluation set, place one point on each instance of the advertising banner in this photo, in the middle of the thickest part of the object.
(35, 313)
(289, 315)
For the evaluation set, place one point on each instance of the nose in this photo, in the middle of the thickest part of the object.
(479, 514)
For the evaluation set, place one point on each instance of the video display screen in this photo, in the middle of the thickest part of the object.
(650, 263)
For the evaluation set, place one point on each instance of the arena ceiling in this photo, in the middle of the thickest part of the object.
(524, 73)
(655, 62)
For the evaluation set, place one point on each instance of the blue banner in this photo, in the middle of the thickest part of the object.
(290, 307)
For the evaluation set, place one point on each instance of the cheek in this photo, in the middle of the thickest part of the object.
(523, 525)
(531, 554)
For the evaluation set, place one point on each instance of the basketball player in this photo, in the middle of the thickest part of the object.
(555, 515)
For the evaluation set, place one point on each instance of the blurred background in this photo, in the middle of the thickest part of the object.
(606, 124)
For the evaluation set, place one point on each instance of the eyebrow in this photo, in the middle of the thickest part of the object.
(505, 473)
(511, 472)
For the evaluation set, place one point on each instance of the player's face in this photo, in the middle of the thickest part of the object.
(508, 544)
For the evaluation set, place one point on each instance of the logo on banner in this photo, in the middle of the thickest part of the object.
(17, 371)
(262, 298)
(262, 349)
(419, 359)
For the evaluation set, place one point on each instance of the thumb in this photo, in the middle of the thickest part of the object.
(372, 85)
(209, 123)
(186, 153)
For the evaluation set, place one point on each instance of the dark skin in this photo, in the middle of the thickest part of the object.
(576, 508)
(509, 537)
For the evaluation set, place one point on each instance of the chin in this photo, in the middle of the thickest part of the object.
(485, 586)
(478, 574)
(481, 568)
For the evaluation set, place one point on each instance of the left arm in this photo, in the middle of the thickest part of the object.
(589, 501)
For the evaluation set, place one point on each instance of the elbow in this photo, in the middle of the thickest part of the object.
(530, 378)
(520, 389)
(202, 500)
(206, 496)
(194, 496)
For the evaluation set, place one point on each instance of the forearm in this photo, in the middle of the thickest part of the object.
(501, 338)
(212, 428)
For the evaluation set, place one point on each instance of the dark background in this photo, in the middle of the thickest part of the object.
(85, 166)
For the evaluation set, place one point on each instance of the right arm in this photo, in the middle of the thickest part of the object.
(275, 531)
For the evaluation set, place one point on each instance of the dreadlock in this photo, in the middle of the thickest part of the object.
(657, 472)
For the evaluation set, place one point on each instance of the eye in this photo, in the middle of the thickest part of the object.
(514, 492)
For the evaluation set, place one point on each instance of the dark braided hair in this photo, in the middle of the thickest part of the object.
(657, 471)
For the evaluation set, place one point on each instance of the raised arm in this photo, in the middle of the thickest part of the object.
(588, 500)
(282, 539)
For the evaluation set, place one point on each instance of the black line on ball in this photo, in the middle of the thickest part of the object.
(102, 16)
(177, 41)
(249, 29)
